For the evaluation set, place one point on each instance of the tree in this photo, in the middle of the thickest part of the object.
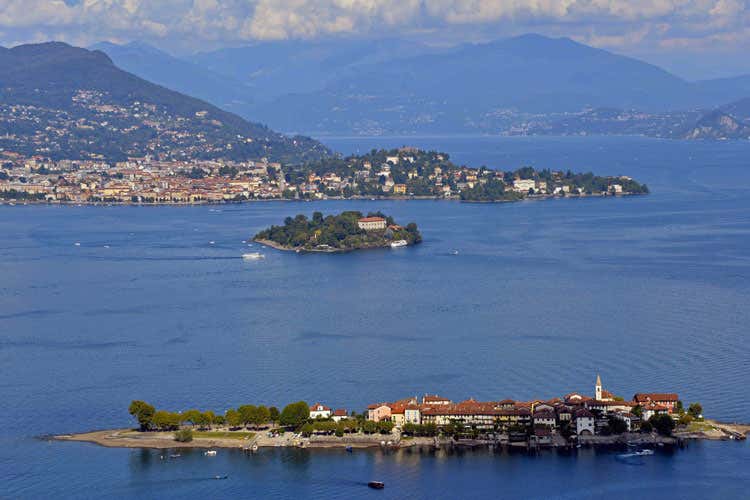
(165, 420)
(307, 429)
(695, 410)
(233, 418)
(663, 424)
(143, 412)
(273, 414)
(617, 425)
(369, 427)
(294, 414)
(679, 408)
(247, 414)
(191, 416)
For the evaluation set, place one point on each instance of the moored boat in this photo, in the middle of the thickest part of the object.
(376, 485)
(399, 243)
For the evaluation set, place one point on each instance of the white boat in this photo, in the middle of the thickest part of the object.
(78, 244)
(253, 256)
(642, 453)
(399, 243)
(210, 453)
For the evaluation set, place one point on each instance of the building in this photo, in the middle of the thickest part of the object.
(523, 185)
(412, 414)
(434, 399)
(667, 400)
(371, 223)
(320, 411)
(378, 411)
(339, 415)
(584, 422)
(399, 189)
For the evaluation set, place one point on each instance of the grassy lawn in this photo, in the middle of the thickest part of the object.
(699, 426)
(223, 434)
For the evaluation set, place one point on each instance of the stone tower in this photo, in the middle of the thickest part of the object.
(598, 388)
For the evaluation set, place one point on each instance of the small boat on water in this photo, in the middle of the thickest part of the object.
(643, 453)
(175, 455)
(399, 243)
(210, 453)
(376, 485)
(253, 256)
(221, 477)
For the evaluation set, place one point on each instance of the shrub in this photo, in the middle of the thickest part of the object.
(183, 435)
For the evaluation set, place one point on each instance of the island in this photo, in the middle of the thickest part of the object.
(345, 232)
(646, 421)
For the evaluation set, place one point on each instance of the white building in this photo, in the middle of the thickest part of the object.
(319, 410)
(523, 185)
(584, 422)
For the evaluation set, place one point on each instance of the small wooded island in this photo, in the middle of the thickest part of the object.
(345, 232)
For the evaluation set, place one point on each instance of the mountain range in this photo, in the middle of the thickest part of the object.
(367, 87)
(72, 102)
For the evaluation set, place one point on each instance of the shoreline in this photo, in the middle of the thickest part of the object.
(277, 246)
(8, 202)
(130, 438)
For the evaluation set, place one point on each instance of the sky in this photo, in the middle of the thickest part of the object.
(694, 38)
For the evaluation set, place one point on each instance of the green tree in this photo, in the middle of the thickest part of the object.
(307, 429)
(663, 424)
(294, 414)
(165, 420)
(695, 410)
(191, 416)
(679, 408)
(273, 414)
(247, 414)
(143, 412)
(233, 418)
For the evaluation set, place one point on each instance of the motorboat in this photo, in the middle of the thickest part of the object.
(399, 243)
(253, 256)
(376, 485)
(210, 453)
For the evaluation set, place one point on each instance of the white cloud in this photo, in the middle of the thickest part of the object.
(610, 23)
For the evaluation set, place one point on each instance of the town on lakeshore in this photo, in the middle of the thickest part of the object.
(402, 173)
(339, 233)
(431, 420)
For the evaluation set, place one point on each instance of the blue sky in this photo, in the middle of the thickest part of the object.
(694, 38)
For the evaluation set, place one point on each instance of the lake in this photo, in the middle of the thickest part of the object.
(651, 292)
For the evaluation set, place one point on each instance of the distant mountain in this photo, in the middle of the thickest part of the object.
(177, 74)
(465, 88)
(275, 69)
(725, 89)
(64, 100)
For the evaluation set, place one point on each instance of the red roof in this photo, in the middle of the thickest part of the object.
(341, 412)
(644, 397)
(371, 219)
(322, 406)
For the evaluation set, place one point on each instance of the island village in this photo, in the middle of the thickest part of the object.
(401, 173)
(647, 419)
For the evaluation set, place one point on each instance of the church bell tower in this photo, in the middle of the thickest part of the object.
(598, 388)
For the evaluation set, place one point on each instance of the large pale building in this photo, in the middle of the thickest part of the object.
(371, 223)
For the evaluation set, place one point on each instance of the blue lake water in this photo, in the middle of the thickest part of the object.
(651, 292)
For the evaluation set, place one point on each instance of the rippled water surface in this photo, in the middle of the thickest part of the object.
(652, 292)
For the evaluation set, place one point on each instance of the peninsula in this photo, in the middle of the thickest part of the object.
(403, 173)
(647, 419)
(345, 232)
